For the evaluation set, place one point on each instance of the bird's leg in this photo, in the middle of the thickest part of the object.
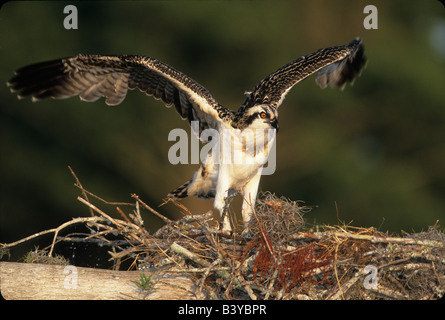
(222, 207)
(249, 192)
(220, 204)
(231, 194)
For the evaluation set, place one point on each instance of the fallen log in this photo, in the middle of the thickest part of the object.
(30, 281)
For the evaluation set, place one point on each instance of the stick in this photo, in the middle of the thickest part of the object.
(146, 206)
(372, 239)
(103, 214)
(119, 223)
(190, 255)
(79, 185)
(343, 288)
(66, 224)
(55, 230)
(263, 234)
(85, 192)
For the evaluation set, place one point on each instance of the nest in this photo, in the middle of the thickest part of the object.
(281, 258)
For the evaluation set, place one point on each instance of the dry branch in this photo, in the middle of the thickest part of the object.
(370, 238)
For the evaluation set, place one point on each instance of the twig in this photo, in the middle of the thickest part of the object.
(178, 204)
(247, 287)
(336, 271)
(388, 293)
(370, 238)
(190, 255)
(345, 287)
(103, 214)
(98, 241)
(79, 185)
(119, 223)
(200, 270)
(146, 206)
(66, 224)
(271, 285)
(85, 192)
(38, 234)
(123, 214)
(207, 271)
(263, 234)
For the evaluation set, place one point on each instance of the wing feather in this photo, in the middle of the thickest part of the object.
(336, 66)
(95, 76)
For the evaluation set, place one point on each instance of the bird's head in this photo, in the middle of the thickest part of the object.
(261, 117)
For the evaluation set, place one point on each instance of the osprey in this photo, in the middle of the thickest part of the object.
(95, 76)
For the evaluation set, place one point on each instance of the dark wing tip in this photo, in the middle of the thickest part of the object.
(341, 72)
(357, 41)
(34, 80)
(89, 76)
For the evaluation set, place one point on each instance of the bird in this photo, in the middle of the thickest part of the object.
(250, 130)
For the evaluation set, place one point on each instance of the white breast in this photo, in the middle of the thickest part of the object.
(243, 153)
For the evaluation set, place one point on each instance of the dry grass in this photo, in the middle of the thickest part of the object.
(280, 259)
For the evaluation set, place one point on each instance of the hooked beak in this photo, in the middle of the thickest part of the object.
(275, 125)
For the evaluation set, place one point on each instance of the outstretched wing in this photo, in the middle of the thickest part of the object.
(95, 76)
(336, 66)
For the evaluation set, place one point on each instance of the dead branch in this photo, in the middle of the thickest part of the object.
(54, 230)
(370, 238)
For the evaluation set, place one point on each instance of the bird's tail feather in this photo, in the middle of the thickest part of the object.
(180, 192)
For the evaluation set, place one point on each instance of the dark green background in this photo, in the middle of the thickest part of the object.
(377, 148)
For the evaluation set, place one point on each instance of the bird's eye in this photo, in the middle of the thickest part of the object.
(263, 115)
